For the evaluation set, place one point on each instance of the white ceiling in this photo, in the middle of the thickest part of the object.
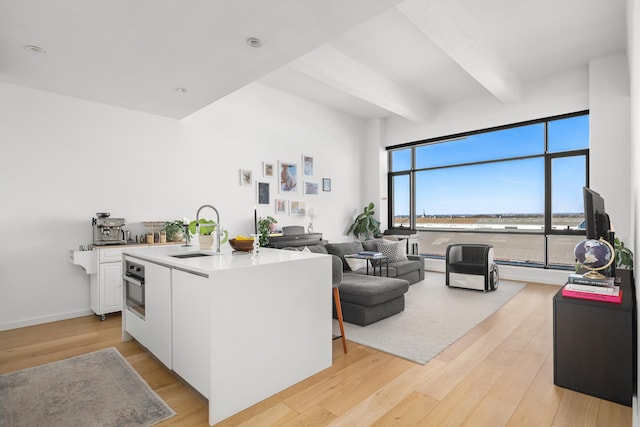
(368, 58)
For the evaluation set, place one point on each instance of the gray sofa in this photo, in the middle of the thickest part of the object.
(367, 299)
(411, 270)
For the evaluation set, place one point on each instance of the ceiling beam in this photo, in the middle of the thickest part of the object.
(459, 34)
(342, 72)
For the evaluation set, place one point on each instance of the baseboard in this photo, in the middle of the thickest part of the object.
(45, 319)
(510, 272)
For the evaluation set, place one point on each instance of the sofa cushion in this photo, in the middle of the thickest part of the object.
(342, 249)
(371, 245)
(356, 263)
(363, 316)
(405, 267)
(411, 270)
(380, 271)
(370, 291)
(394, 251)
(317, 249)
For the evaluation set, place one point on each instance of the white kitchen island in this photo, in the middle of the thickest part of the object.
(237, 327)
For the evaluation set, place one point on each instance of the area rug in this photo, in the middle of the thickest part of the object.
(434, 317)
(95, 389)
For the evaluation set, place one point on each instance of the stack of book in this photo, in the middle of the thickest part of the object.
(582, 287)
(370, 253)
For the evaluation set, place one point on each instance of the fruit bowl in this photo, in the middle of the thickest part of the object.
(244, 245)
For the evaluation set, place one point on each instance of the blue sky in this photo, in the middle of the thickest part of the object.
(515, 186)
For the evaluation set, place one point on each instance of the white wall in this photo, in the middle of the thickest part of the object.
(374, 179)
(65, 159)
(633, 41)
(610, 132)
(259, 124)
(600, 88)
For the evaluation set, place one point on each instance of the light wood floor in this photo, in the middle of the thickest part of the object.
(499, 374)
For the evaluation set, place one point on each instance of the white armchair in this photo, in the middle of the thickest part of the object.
(471, 266)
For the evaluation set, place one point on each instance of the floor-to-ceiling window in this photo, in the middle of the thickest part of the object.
(517, 187)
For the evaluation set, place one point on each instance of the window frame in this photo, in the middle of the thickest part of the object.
(548, 179)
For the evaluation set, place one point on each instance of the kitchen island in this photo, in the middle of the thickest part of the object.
(237, 327)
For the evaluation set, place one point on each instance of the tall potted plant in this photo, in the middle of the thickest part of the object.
(365, 224)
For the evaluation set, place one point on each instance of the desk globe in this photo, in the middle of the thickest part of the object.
(594, 255)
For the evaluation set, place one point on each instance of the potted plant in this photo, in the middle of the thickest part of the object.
(265, 227)
(624, 255)
(175, 230)
(365, 224)
(206, 232)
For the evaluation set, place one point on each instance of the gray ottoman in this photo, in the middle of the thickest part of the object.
(367, 299)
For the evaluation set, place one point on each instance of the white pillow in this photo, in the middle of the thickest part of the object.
(306, 249)
(355, 263)
(394, 251)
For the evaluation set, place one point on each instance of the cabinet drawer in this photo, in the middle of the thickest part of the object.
(136, 327)
(110, 255)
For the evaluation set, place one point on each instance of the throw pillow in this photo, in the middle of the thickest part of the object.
(306, 249)
(394, 251)
(356, 264)
(371, 245)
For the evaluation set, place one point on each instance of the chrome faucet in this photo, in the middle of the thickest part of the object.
(218, 227)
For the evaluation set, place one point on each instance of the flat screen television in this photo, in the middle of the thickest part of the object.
(595, 217)
(596, 221)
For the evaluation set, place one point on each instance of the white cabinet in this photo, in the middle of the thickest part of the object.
(157, 286)
(191, 330)
(152, 327)
(111, 287)
(225, 320)
(106, 286)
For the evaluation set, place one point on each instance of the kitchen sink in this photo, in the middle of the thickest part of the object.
(191, 255)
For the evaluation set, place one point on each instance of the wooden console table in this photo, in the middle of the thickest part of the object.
(594, 344)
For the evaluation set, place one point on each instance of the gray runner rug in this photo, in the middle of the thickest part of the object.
(95, 389)
(434, 317)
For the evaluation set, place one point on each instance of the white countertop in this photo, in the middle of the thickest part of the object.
(206, 265)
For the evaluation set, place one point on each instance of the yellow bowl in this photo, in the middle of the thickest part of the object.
(241, 245)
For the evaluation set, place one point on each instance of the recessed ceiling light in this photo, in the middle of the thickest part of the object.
(181, 90)
(35, 49)
(254, 42)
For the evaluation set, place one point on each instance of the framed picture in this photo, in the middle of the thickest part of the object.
(263, 192)
(312, 188)
(326, 184)
(297, 207)
(288, 177)
(281, 206)
(307, 165)
(267, 169)
(246, 177)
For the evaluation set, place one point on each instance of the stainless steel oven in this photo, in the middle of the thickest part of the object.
(134, 287)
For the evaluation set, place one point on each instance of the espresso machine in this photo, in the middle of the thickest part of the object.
(108, 231)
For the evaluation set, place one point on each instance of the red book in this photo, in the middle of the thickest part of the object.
(592, 296)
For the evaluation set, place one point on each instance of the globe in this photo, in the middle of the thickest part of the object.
(594, 255)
